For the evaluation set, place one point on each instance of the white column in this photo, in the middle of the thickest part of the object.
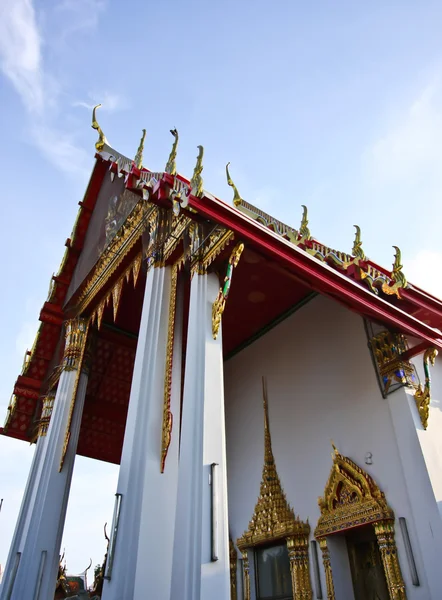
(33, 562)
(195, 575)
(142, 555)
(426, 529)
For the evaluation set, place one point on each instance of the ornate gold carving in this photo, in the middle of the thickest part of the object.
(99, 144)
(351, 498)
(233, 557)
(387, 349)
(246, 574)
(273, 517)
(46, 412)
(116, 295)
(220, 302)
(171, 164)
(115, 253)
(422, 395)
(236, 197)
(385, 533)
(299, 567)
(76, 333)
(398, 278)
(136, 267)
(327, 569)
(357, 251)
(196, 183)
(166, 434)
(138, 160)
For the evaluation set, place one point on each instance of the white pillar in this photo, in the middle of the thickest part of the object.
(142, 555)
(32, 565)
(194, 574)
(426, 529)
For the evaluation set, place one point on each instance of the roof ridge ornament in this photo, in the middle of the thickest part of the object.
(236, 196)
(304, 231)
(398, 278)
(138, 160)
(99, 144)
(196, 183)
(357, 250)
(171, 164)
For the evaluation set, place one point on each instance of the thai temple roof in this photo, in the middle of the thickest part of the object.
(289, 261)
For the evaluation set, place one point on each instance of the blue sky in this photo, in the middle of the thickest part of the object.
(336, 105)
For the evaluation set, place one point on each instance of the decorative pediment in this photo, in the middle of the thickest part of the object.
(273, 517)
(351, 498)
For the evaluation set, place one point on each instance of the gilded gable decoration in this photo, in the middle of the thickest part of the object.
(274, 519)
(351, 498)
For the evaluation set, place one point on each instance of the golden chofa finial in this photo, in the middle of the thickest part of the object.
(99, 145)
(304, 231)
(357, 251)
(236, 197)
(138, 160)
(196, 183)
(171, 164)
(397, 277)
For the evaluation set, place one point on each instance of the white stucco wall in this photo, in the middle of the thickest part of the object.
(321, 386)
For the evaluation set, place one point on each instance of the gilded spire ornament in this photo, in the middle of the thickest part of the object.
(398, 278)
(196, 183)
(304, 231)
(273, 517)
(357, 251)
(171, 164)
(99, 144)
(236, 197)
(138, 160)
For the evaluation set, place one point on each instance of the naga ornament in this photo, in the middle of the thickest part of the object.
(99, 144)
(422, 395)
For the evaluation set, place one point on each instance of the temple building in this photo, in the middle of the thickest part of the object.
(274, 405)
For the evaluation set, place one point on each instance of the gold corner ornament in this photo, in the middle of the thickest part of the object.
(397, 277)
(99, 144)
(220, 302)
(166, 431)
(46, 413)
(196, 183)
(138, 160)
(274, 519)
(236, 197)
(422, 396)
(357, 250)
(171, 163)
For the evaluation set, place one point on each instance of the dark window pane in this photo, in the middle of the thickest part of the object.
(273, 573)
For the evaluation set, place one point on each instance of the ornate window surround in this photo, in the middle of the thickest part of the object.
(353, 499)
(273, 520)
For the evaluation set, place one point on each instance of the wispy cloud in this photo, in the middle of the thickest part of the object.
(410, 149)
(20, 52)
(81, 15)
(22, 62)
(109, 101)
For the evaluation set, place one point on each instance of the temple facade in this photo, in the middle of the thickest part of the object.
(274, 405)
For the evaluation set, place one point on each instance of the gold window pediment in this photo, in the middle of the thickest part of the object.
(351, 498)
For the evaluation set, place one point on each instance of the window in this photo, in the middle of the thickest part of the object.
(273, 578)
